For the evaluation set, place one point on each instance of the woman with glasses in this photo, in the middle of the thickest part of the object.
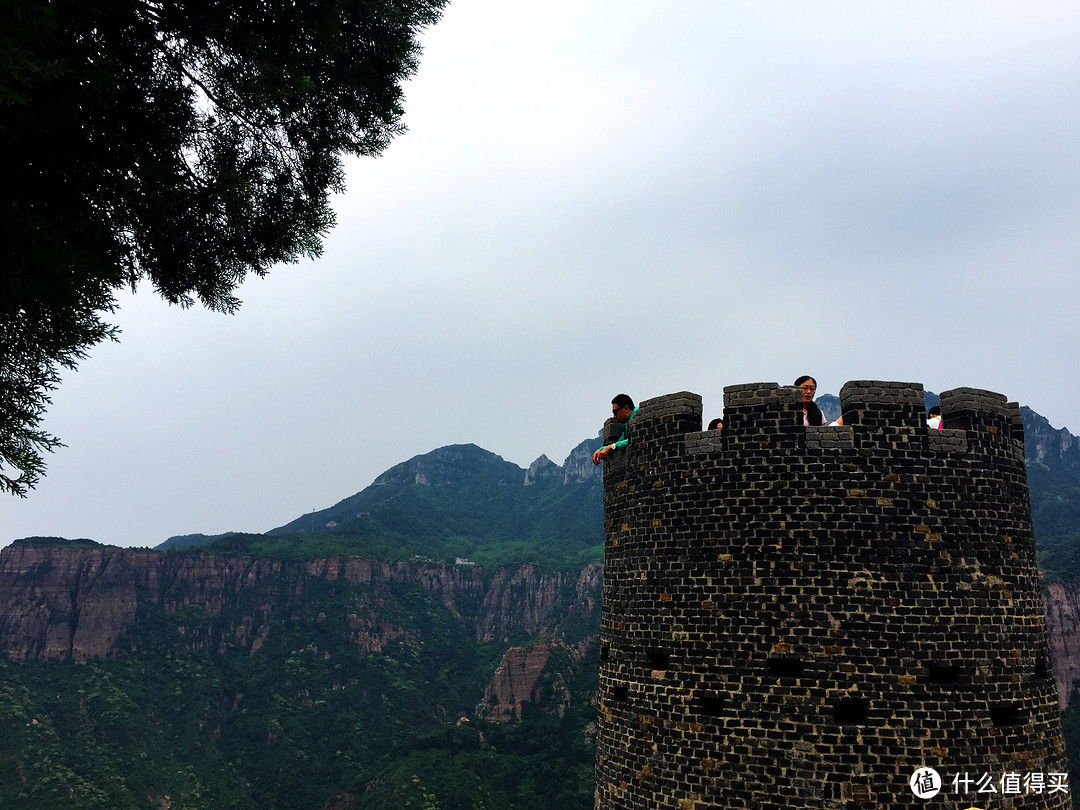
(811, 413)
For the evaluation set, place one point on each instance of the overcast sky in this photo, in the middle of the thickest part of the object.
(614, 196)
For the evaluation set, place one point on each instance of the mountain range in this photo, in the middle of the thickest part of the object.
(429, 642)
(456, 502)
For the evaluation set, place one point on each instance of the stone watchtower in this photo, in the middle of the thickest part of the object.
(802, 617)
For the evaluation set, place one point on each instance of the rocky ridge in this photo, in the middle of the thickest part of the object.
(1045, 445)
(77, 604)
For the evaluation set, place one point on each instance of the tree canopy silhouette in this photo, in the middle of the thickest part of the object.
(186, 143)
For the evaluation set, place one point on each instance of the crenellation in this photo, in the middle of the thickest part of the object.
(873, 404)
(802, 616)
(763, 407)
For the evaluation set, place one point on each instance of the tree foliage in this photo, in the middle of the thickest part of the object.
(185, 143)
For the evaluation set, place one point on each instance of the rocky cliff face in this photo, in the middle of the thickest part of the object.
(1046, 445)
(543, 469)
(1062, 609)
(578, 467)
(76, 604)
(517, 680)
(540, 672)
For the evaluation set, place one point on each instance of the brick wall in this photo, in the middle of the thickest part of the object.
(801, 617)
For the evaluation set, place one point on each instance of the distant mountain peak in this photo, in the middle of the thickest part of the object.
(543, 469)
(450, 465)
(578, 467)
(1044, 444)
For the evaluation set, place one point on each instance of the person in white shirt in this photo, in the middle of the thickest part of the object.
(933, 418)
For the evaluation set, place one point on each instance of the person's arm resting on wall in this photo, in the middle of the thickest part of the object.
(622, 410)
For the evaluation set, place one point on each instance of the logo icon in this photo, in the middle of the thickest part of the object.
(925, 783)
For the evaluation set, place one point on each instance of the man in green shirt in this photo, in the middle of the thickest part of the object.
(623, 410)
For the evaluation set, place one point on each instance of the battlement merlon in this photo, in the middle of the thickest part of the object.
(767, 411)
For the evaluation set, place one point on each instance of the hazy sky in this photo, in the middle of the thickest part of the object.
(614, 196)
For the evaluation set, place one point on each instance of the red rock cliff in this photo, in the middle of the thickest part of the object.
(75, 604)
(1061, 605)
(524, 676)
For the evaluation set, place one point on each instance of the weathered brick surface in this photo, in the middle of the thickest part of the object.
(799, 617)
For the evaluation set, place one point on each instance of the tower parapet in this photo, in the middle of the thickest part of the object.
(802, 617)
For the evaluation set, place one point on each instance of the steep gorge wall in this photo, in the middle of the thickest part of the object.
(64, 604)
(1061, 604)
(76, 604)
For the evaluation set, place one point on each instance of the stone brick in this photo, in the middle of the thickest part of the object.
(807, 615)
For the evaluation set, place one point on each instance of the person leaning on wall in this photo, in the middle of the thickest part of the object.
(622, 410)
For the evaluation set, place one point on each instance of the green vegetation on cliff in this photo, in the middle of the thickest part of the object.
(317, 711)
(1053, 470)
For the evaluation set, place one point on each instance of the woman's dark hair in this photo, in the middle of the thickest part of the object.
(813, 412)
(715, 423)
